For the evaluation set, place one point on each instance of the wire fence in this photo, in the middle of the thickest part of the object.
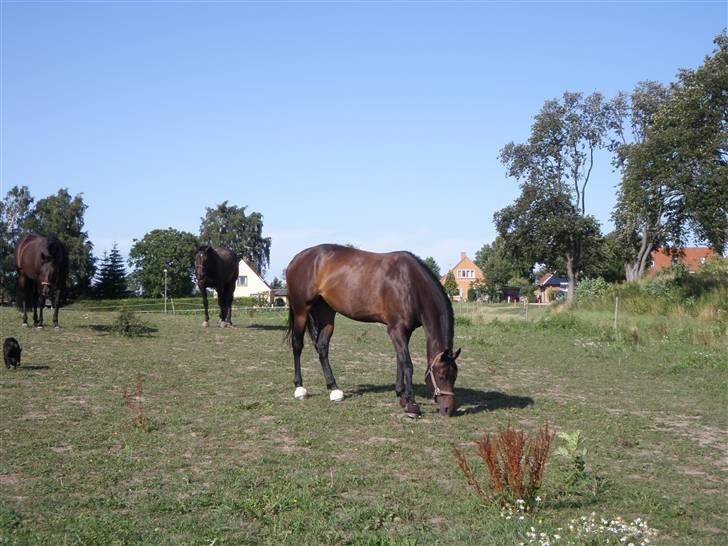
(156, 307)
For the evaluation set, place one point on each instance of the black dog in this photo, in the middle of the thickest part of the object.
(11, 352)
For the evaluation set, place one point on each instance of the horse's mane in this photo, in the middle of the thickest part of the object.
(443, 304)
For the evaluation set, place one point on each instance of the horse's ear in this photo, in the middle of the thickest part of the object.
(457, 354)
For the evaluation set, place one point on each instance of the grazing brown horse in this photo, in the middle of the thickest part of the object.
(42, 265)
(396, 289)
(217, 268)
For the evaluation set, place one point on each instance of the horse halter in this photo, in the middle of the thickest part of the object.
(437, 390)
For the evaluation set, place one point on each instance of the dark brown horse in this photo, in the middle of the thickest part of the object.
(396, 289)
(42, 265)
(217, 268)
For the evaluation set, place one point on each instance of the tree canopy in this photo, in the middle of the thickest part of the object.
(548, 222)
(162, 249)
(674, 183)
(229, 226)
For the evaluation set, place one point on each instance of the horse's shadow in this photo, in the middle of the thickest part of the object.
(105, 329)
(257, 326)
(470, 401)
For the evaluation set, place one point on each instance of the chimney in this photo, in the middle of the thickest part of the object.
(462, 255)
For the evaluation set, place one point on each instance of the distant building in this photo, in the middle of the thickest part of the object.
(466, 273)
(550, 287)
(691, 257)
(249, 283)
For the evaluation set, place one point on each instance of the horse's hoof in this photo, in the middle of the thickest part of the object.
(402, 401)
(24, 325)
(300, 393)
(337, 395)
(56, 327)
(206, 324)
(38, 327)
(412, 410)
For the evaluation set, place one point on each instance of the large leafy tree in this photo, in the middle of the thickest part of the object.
(548, 221)
(111, 280)
(498, 267)
(14, 211)
(162, 249)
(228, 225)
(675, 173)
(62, 215)
(639, 214)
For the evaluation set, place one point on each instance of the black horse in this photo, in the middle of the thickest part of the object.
(42, 265)
(217, 268)
(396, 289)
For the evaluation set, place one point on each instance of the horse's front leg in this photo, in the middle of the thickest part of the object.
(203, 291)
(38, 311)
(56, 302)
(400, 339)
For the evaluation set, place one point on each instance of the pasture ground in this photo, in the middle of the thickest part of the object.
(230, 457)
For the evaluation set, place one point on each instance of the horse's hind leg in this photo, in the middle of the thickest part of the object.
(298, 329)
(324, 316)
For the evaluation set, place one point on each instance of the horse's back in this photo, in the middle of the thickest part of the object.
(359, 284)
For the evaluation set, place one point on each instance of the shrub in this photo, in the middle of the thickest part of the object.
(591, 289)
(128, 324)
(514, 461)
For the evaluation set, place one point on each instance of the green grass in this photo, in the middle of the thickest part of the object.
(230, 457)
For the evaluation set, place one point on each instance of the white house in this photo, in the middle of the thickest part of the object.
(250, 283)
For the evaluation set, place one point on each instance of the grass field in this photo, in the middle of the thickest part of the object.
(227, 456)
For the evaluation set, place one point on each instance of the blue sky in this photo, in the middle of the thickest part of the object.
(371, 123)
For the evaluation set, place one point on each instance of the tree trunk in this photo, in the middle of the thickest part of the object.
(635, 269)
(571, 275)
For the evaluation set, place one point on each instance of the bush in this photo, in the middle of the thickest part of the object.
(129, 325)
(515, 464)
(591, 289)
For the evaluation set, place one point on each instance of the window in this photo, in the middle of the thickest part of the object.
(675, 260)
(242, 280)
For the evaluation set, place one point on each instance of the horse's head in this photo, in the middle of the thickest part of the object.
(48, 274)
(440, 378)
(202, 261)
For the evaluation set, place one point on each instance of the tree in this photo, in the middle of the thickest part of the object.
(62, 215)
(111, 280)
(451, 287)
(675, 172)
(432, 264)
(498, 266)
(227, 225)
(548, 221)
(14, 211)
(547, 229)
(276, 283)
(162, 249)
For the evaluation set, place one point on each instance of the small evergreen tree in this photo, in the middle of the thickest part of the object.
(451, 287)
(432, 264)
(111, 281)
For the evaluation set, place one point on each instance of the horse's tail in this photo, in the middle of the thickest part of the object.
(312, 327)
